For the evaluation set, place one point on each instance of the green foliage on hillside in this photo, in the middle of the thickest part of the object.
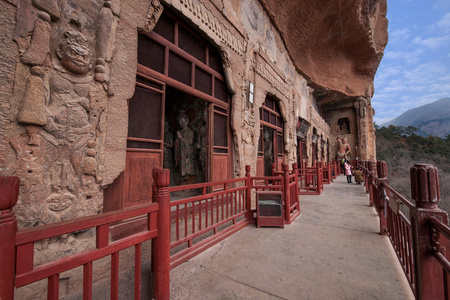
(401, 148)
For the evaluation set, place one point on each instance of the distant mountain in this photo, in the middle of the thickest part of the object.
(429, 119)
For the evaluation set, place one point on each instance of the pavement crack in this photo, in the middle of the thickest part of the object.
(232, 279)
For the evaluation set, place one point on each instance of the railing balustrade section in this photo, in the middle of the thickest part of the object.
(200, 221)
(417, 228)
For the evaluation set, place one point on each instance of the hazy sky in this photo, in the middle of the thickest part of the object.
(415, 69)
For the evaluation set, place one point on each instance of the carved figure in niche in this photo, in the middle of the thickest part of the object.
(268, 153)
(202, 143)
(343, 126)
(184, 149)
(344, 149)
(72, 120)
(74, 53)
(66, 63)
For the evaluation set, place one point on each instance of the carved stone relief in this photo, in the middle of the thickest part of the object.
(266, 71)
(211, 23)
(61, 110)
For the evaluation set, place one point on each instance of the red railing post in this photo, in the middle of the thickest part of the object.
(425, 191)
(274, 169)
(369, 187)
(382, 180)
(248, 182)
(287, 197)
(330, 175)
(319, 179)
(297, 189)
(366, 176)
(9, 193)
(161, 178)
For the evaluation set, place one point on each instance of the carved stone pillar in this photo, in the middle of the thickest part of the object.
(366, 133)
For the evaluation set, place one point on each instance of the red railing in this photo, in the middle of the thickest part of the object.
(417, 229)
(221, 209)
(398, 228)
(179, 230)
(327, 175)
(310, 181)
(198, 222)
(292, 202)
(28, 272)
(335, 170)
(290, 190)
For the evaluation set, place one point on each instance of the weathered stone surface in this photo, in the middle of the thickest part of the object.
(106, 34)
(39, 48)
(26, 17)
(8, 52)
(337, 45)
(49, 6)
(33, 107)
(123, 78)
(66, 80)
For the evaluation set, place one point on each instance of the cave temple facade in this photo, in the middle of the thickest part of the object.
(96, 93)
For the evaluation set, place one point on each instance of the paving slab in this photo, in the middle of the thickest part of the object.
(333, 250)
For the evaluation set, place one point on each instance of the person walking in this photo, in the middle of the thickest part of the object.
(358, 175)
(348, 171)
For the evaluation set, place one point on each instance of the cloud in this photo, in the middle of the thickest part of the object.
(410, 57)
(444, 22)
(433, 43)
(399, 36)
(441, 5)
(415, 69)
(425, 72)
(384, 74)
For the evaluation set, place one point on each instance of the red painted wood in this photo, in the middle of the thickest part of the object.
(220, 167)
(56, 229)
(115, 276)
(248, 191)
(182, 87)
(102, 232)
(287, 198)
(26, 254)
(87, 281)
(138, 179)
(53, 287)
(379, 195)
(113, 194)
(9, 193)
(162, 241)
(183, 256)
(79, 259)
(425, 191)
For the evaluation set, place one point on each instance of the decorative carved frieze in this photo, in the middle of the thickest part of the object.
(207, 18)
(317, 121)
(264, 69)
(154, 12)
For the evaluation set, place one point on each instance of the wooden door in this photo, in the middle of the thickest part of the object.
(144, 147)
(145, 140)
(221, 162)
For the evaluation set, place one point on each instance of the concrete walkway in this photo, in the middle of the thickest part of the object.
(331, 251)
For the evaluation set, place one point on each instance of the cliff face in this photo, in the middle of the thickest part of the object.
(336, 44)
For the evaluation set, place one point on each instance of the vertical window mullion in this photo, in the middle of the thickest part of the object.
(175, 36)
(166, 62)
(193, 75)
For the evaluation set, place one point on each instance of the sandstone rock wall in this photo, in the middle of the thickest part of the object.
(69, 68)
